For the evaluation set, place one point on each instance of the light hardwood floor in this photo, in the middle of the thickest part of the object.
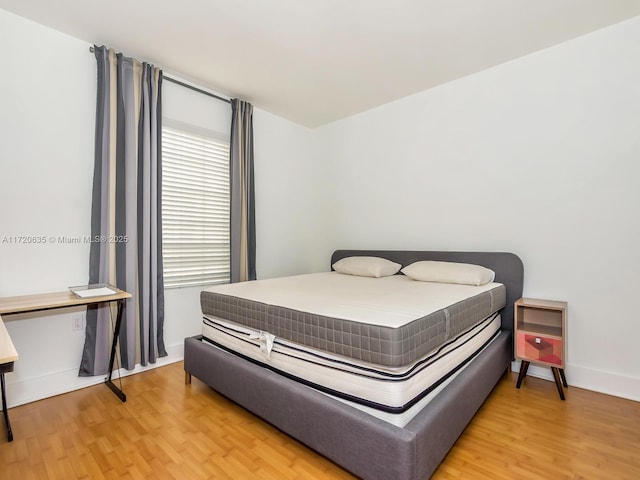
(169, 430)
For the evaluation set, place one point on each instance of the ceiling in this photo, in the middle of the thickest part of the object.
(316, 61)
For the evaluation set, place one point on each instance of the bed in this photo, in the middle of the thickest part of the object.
(366, 445)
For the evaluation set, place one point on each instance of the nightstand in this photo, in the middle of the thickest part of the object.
(540, 331)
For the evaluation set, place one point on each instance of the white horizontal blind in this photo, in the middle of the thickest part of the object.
(195, 208)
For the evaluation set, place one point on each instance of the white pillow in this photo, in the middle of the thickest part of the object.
(449, 272)
(366, 266)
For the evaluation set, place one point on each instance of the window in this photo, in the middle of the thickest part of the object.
(195, 206)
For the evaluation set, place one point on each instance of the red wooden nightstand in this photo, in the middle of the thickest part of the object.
(540, 330)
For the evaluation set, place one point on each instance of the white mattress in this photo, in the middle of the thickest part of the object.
(391, 389)
(403, 418)
(390, 301)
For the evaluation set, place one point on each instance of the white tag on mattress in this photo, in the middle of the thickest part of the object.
(266, 343)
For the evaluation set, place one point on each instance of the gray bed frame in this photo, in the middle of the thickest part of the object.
(366, 446)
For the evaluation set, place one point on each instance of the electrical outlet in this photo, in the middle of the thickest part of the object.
(76, 323)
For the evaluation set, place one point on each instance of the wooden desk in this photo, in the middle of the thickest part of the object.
(50, 301)
(8, 355)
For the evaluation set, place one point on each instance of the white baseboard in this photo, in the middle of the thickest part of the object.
(596, 380)
(38, 388)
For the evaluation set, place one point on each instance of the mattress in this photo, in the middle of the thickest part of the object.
(388, 389)
(391, 321)
(398, 419)
(401, 419)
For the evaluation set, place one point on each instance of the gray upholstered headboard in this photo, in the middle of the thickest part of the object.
(508, 267)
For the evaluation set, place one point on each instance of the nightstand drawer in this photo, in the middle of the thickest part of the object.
(538, 348)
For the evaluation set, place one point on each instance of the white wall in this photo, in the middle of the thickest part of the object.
(288, 198)
(47, 120)
(539, 156)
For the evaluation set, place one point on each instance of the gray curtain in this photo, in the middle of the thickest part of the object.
(125, 215)
(243, 229)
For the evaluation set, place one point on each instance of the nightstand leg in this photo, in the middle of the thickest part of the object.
(564, 379)
(556, 375)
(524, 366)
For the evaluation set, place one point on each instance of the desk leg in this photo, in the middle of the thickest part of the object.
(116, 334)
(4, 410)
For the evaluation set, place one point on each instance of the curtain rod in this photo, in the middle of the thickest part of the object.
(195, 89)
(186, 85)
